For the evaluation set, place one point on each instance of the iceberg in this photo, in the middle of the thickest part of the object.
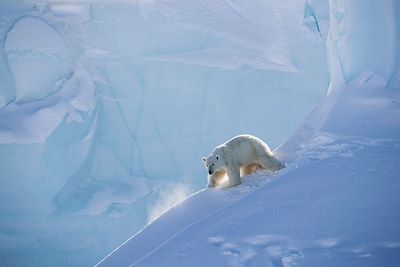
(106, 107)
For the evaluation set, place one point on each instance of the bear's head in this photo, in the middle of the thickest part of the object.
(213, 162)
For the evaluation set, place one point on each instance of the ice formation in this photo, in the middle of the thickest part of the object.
(107, 105)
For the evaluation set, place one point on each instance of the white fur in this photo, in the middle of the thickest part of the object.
(241, 155)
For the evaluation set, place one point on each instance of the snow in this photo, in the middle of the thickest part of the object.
(334, 204)
(107, 107)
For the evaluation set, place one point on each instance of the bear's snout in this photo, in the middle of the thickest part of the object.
(210, 172)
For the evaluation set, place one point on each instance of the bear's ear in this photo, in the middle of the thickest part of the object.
(217, 157)
(204, 159)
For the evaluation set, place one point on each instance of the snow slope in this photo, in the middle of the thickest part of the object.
(336, 203)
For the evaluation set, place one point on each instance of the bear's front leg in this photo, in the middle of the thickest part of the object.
(216, 177)
(234, 177)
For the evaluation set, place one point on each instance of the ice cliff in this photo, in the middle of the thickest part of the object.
(106, 107)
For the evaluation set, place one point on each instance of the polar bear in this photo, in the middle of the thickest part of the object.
(238, 157)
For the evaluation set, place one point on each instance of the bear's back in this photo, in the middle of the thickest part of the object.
(247, 142)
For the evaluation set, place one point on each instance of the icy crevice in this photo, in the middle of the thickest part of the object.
(137, 122)
(131, 133)
(177, 172)
(310, 19)
(82, 173)
(8, 91)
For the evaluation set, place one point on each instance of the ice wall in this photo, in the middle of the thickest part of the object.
(364, 39)
(107, 105)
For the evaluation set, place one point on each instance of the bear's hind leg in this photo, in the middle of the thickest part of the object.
(271, 163)
(249, 169)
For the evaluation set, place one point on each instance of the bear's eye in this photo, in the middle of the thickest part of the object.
(212, 164)
(217, 157)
